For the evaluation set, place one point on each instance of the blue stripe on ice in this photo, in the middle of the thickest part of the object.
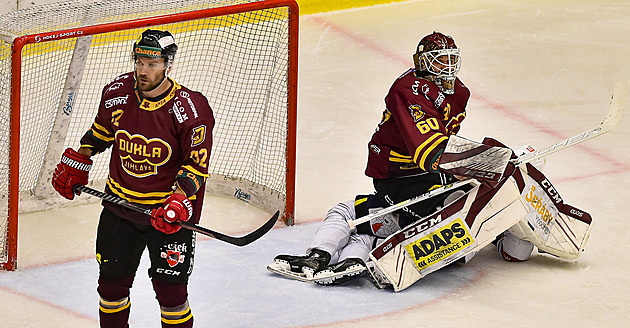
(230, 287)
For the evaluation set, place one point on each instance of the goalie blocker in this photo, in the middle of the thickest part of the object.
(488, 161)
(526, 204)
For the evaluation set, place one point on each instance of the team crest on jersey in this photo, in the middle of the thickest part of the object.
(173, 253)
(416, 112)
(199, 135)
(139, 156)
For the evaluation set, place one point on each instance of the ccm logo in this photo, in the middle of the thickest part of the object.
(168, 272)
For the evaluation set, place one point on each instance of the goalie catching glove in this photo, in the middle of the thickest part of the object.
(177, 207)
(73, 169)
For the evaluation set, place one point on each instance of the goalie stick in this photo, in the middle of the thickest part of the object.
(405, 203)
(617, 103)
(238, 241)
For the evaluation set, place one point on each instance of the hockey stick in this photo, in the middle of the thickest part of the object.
(238, 241)
(617, 103)
(408, 202)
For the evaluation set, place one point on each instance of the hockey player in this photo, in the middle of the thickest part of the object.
(160, 134)
(415, 149)
(425, 107)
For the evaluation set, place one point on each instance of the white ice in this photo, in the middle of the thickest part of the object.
(539, 72)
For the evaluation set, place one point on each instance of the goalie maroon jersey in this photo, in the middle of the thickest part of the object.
(157, 144)
(416, 123)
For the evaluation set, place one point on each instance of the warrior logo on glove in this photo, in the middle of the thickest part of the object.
(73, 169)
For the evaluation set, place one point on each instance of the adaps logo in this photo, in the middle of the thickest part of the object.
(440, 244)
(139, 156)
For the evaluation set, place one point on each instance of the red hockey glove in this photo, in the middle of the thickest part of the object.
(176, 208)
(72, 169)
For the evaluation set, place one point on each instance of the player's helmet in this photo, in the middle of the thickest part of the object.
(438, 59)
(155, 44)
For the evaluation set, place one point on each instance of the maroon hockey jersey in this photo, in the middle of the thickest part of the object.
(416, 123)
(156, 144)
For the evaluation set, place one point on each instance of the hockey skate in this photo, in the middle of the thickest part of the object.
(341, 272)
(377, 277)
(300, 267)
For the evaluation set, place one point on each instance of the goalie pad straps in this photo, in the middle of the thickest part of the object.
(488, 161)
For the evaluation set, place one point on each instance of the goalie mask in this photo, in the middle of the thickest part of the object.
(438, 60)
(155, 44)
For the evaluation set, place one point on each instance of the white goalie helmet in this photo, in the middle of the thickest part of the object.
(437, 59)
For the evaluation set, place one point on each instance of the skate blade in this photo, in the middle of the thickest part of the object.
(377, 277)
(281, 270)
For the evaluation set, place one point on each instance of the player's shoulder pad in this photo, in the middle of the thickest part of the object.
(120, 84)
(461, 89)
(417, 89)
(193, 104)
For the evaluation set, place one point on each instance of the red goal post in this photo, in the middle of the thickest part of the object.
(241, 54)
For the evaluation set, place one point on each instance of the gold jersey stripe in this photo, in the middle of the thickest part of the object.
(426, 147)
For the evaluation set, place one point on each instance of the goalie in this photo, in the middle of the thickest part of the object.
(413, 150)
(425, 107)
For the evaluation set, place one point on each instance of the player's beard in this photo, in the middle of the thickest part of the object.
(147, 83)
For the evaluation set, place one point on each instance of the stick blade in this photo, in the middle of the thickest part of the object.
(237, 241)
(617, 103)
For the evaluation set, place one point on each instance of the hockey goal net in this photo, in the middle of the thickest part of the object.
(56, 58)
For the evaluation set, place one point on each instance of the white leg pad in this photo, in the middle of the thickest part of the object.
(551, 225)
(434, 242)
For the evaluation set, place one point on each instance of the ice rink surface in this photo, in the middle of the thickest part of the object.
(539, 72)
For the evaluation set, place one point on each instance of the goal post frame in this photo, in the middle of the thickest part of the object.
(20, 42)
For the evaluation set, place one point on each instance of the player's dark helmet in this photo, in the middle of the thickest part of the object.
(155, 44)
(437, 58)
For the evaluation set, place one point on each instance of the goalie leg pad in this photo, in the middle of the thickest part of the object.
(376, 275)
(551, 225)
(461, 228)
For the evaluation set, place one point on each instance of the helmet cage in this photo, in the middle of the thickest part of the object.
(441, 62)
(437, 59)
